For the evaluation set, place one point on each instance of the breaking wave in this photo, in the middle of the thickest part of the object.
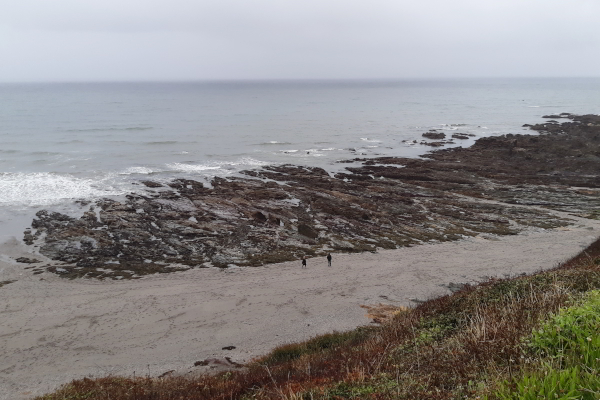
(220, 166)
(44, 188)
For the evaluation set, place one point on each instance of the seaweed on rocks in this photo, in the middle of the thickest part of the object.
(283, 212)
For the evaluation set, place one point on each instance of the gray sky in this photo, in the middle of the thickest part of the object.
(75, 40)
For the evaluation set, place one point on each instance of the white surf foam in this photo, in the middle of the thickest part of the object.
(313, 153)
(273, 142)
(448, 127)
(366, 139)
(137, 170)
(220, 166)
(43, 188)
(192, 167)
(251, 162)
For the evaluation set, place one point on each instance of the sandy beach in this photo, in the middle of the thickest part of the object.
(54, 330)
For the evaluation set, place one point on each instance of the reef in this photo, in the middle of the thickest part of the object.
(499, 186)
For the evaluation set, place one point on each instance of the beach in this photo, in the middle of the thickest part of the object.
(54, 330)
(182, 276)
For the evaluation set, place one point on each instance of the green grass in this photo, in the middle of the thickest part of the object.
(573, 331)
(566, 348)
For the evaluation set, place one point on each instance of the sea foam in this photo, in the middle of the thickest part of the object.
(137, 170)
(217, 166)
(43, 188)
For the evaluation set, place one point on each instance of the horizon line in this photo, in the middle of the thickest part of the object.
(298, 80)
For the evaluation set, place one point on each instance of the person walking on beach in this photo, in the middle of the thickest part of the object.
(329, 259)
(303, 262)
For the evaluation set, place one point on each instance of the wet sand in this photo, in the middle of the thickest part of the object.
(54, 330)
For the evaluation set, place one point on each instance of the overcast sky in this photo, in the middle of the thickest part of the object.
(97, 40)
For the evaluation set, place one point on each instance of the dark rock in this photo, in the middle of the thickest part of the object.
(258, 216)
(307, 231)
(26, 260)
(28, 238)
(280, 212)
(461, 136)
(228, 348)
(434, 135)
(152, 184)
(434, 144)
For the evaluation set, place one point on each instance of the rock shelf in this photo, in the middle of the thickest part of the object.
(499, 186)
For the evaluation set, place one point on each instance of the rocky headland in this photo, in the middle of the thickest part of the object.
(499, 186)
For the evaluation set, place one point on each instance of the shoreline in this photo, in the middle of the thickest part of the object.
(400, 230)
(59, 330)
(10, 225)
(282, 213)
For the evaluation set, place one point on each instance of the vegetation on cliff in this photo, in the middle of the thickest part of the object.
(528, 337)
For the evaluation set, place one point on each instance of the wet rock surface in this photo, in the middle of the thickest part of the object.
(281, 213)
(434, 134)
(462, 136)
(27, 260)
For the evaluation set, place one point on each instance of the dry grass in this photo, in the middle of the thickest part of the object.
(452, 347)
(381, 313)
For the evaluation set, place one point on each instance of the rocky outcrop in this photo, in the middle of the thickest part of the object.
(27, 260)
(462, 136)
(433, 134)
(281, 213)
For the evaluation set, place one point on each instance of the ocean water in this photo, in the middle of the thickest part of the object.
(60, 142)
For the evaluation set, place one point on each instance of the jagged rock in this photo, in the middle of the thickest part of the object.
(434, 135)
(151, 184)
(28, 238)
(434, 144)
(462, 136)
(259, 217)
(307, 231)
(281, 212)
(26, 260)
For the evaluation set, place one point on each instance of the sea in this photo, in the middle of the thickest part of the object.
(63, 142)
